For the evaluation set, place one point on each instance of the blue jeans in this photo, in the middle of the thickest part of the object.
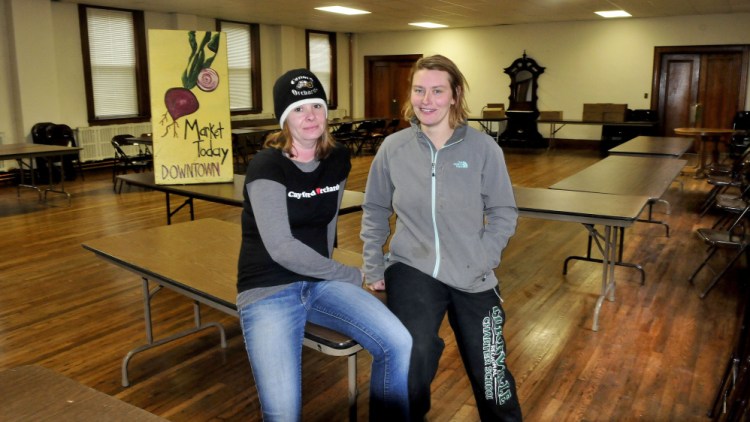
(274, 328)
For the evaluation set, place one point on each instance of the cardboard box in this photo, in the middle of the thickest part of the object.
(550, 115)
(592, 112)
(613, 117)
(493, 111)
(604, 112)
(615, 112)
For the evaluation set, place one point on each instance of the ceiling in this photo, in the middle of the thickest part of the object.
(394, 15)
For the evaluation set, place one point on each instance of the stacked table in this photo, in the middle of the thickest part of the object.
(590, 209)
(611, 193)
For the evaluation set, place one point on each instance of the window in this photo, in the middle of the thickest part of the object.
(114, 55)
(243, 62)
(321, 60)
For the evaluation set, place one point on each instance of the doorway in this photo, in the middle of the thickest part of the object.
(699, 86)
(387, 84)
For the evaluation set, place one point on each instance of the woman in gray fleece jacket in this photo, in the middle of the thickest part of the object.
(449, 187)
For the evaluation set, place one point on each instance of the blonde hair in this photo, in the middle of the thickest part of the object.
(283, 140)
(459, 110)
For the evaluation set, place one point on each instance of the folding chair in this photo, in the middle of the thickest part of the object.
(735, 239)
(377, 137)
(732, 390)
(62, 135)
(344, 134)
(123, 162)
(736, 178)
(731, 205)
(374, 136)
(360, 135)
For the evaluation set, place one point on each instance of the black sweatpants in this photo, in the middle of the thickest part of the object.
(477, 319)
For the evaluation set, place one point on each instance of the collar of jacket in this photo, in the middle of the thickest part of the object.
(459, 132)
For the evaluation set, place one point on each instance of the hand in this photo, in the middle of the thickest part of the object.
(377, 286)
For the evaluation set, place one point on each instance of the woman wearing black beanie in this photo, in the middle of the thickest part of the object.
(286, 276)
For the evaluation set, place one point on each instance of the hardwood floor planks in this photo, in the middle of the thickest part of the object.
(659, 353)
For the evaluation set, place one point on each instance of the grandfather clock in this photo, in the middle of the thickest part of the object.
(522, 112)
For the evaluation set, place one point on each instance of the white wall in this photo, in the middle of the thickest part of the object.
(586, 62)
(71, 96)
(598, 61)
(7, 78)
(32, 51)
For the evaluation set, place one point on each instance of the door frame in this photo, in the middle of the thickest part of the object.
(659, 52)
(368, 61)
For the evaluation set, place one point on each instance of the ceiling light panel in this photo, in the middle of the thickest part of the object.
(429, 25)
(342, 10)
(613, 14)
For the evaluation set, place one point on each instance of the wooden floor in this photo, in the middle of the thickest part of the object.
(658, 356)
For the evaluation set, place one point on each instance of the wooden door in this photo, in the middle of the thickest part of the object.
(719, 89)
(387, 84)
(678, 90)
(713, 77)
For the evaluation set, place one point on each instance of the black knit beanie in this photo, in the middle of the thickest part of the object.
(295, 88)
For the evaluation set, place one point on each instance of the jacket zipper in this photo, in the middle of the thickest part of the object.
(434, 154)
(433, 201)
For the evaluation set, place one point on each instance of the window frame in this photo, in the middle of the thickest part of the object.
(256, 91)
(333, 95)
(141, 68)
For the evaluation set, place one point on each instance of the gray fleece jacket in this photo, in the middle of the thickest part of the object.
(455, 208)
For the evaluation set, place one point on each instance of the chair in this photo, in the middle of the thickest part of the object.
(731, 205)
(741, 139)
(732, 395)
(145, 150)
(123, 162)
(39, 135)
(736, 178)
(365, 132)
(360, 134)
(344, 133)
(376, 135)
(735, 238)
(239, 153)
(738, 144)
(48, 133)
(62, 135)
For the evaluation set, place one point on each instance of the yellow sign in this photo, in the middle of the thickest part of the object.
(190, 121)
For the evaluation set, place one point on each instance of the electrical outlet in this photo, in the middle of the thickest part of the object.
(645, 95)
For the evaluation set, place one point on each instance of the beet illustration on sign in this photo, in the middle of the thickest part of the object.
(181, 101)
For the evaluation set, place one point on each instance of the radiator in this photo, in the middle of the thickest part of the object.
(95, 140)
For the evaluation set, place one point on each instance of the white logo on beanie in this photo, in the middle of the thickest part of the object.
(303, 85)
(303, 82)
